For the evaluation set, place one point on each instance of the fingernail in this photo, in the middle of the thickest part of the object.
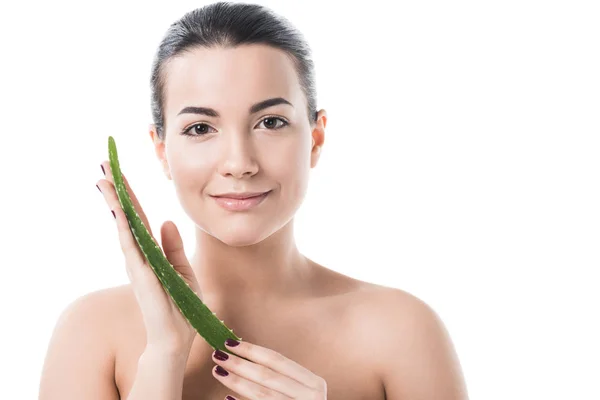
(231, 342)
(114, 215)
(102, 166)
(99, 188)
(221, 371)
(229, 398)
(220, 355)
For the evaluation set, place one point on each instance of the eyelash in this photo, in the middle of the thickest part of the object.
(187, 130)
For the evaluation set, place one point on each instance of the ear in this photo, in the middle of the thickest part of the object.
(318, 137)
(159, 149)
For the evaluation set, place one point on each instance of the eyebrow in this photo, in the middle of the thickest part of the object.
(210, 112)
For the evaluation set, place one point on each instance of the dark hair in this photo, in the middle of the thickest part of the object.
(229, 25)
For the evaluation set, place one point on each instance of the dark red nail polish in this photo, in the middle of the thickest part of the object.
(114, 215)
(220, 355)
(221, 371)
(229, 398)
(99, 188)
(231, 342)
(102, 166)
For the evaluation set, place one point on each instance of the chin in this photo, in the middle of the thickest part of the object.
(237, 241)
(240, 236)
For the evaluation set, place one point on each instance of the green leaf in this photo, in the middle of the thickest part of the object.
(206, 323)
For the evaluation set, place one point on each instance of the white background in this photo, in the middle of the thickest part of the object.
(460, 164)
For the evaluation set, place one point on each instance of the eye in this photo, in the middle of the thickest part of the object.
(198, 130)
(271, 122)
(201, 129)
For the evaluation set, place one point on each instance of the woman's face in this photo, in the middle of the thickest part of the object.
(235, 149)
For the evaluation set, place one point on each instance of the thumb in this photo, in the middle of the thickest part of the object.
(173, 248)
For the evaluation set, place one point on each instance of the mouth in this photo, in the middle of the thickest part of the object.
(240, 201)
(240, 196)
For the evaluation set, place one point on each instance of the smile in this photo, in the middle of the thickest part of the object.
(232, 204)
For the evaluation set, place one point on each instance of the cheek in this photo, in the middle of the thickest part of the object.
(289, 166)
(190, 169)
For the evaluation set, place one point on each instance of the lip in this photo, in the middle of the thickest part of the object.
(240, 201)
(243, 195)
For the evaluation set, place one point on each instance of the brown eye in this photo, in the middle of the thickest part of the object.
(271, 123)
(198, 130)
(202, 130)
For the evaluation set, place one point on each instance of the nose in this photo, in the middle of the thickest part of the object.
(238, 158)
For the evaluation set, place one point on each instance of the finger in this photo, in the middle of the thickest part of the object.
(278, 363)
(136, 204)
(261, 375)
(246, 388)
(133, 256)
(128, 243)
(110, 194)
(144, 281)
(174, 252)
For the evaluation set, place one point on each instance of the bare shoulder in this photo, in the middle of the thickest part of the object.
(398, 306)
(101, 310)
(378, 308)
(108, 305)
(371, 312)
(415, 353)
(379, 300)
(94, 309)
(82, 349)
(108, 298)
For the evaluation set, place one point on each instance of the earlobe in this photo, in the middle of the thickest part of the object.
(166, 169)
(159, 149)
(314, 157)
(165, 165)
(318, 138)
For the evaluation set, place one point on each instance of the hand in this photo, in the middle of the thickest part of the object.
(269, 376)
(166, 327)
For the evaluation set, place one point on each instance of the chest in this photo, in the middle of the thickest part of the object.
(322, 339)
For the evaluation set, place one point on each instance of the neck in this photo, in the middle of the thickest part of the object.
(272, 269)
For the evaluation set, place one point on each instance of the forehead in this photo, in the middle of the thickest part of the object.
(229, 78)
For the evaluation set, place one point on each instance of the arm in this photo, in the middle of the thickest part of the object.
(79, 362)
(159, 375)
(419, 360)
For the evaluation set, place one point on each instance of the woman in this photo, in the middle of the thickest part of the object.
(237, 131)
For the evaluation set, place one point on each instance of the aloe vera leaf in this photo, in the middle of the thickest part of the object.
(206, 323)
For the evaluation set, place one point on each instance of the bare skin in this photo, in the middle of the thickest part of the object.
(366, 341)
(315, 331)
(349, 332)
